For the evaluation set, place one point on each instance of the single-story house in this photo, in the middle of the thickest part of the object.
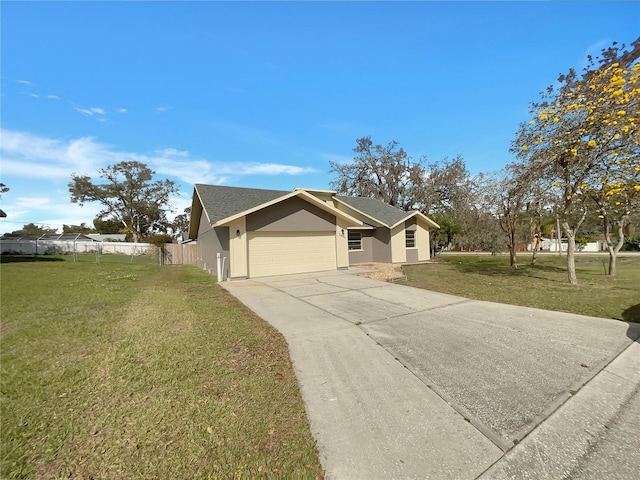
(273, 232)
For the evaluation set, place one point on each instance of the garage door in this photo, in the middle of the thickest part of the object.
(291, 252)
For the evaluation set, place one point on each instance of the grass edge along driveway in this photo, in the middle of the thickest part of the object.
(545, 286)
(140, 371)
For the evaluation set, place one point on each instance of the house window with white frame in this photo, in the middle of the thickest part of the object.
(410, 238)
(355, 240)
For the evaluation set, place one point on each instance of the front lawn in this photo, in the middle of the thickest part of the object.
(542, 286)
(140, 371)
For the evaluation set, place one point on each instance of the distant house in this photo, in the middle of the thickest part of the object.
(273, 232)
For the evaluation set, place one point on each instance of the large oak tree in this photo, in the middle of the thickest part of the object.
(129, 194)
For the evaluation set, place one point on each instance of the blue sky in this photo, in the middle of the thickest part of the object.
(265, 94)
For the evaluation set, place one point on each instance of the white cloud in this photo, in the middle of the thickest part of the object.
(31, 156)
(172, 152)
(92, 112)
(46, 211)
(122, 110)
(34, 95)
(53, 97)
(269, 169)
(24, 82)
(161, 109)
(35, 163)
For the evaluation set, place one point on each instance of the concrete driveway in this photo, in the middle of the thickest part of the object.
(406, 383)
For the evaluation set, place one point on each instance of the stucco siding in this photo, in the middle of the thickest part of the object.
(423, 242)
(381, 245)
(398, 248)
(292, 215)
(342, 244)
(366, 254)
(212, 241)
(238, 248)
(412, 255)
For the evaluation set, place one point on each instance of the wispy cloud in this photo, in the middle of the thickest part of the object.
(172, 152)
(594, 50)
(34, 95)
(49, 211)
(53, 97)
(24, 82)
(161, 109)
(31, 156)
(332, 157)
(122, 110)
(91, 112)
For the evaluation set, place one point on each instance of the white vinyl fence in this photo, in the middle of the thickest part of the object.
(52, 247)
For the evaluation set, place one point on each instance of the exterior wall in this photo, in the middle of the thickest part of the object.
(412, 254)
(238, 248)
(398, 248)
(292, 215)
(210, 242)
(342, 244)
(423, 241)
(366, 254)
(381, 245)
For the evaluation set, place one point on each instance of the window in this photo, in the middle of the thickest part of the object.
(410, 238)
(355, 240)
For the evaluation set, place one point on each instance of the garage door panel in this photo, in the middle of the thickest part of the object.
(290, 252)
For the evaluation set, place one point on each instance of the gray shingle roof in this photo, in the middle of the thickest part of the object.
(377, 209)
(222, 202)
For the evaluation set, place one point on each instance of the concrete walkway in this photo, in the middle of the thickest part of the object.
(405, 383)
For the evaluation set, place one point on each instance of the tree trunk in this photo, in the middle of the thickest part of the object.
(571, 258)
(513, 260)
(558, 236)
(613, 249)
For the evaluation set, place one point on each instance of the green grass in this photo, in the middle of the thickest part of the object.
(140, 371)
(542, 286)
(148, 259)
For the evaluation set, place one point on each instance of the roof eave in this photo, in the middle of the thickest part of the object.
(426, 219)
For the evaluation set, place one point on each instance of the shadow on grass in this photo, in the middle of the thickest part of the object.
(632, 314)
(28, 258)
(540, 271)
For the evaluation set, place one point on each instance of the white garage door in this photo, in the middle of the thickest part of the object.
(291, 252)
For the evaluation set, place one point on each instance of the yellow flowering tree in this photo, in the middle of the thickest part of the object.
(583, 141)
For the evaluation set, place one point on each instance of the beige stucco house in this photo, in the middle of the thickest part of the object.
(271, 232)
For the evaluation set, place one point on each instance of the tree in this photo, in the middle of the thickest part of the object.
(506, 196)
(384, 172)
(34, 229)
(581, 129)
(82, 228)
(108, 225)
(180, 224)
(129, 195)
